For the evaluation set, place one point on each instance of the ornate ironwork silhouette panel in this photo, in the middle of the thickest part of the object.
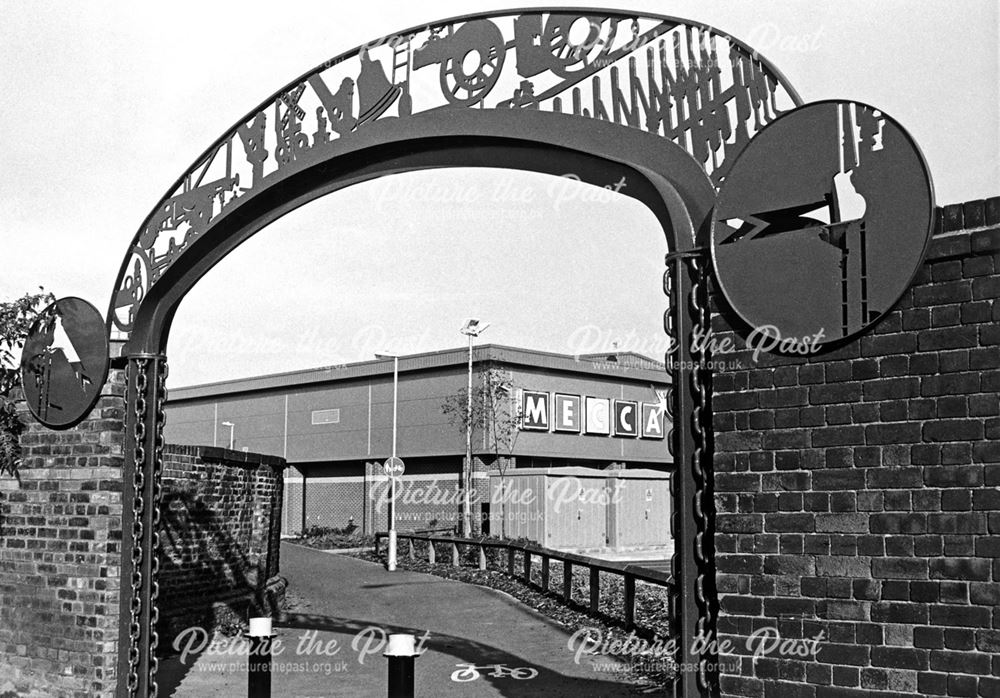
(696, 86)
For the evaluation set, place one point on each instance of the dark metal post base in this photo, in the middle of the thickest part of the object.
(400, 677)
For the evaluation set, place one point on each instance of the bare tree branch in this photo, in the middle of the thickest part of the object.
(495, 416)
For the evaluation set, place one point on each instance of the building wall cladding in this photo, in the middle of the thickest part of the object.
(428, 496)
(335, 494)
(281, 414)
(857, 492)
(220, 537)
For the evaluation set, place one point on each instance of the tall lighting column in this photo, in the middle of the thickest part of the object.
(392, 478)
(473, 328)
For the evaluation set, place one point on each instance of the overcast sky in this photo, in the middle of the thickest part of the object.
(105, 104)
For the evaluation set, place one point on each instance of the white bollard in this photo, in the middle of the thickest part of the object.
(392, 550)
(261, 636)
(400, 651)
(260, 627)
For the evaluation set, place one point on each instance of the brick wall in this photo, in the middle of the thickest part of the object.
(60, 537)
(60, 548)
(857, 492)
(221, 517)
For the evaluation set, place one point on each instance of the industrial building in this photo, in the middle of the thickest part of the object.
(334, 426)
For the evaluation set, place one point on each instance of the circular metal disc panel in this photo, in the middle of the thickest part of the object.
(821, 224)
(65, 362)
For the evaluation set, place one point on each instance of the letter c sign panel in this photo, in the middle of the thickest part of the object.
(598, 411)
(626, 418)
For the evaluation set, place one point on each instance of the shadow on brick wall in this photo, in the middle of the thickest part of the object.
(207, 576)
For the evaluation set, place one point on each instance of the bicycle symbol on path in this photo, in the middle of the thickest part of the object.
(470, 672)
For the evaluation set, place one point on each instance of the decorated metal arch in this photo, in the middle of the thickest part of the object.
(688, 83)
(669, 103)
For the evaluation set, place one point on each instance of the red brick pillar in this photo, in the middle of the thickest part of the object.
(60, 545)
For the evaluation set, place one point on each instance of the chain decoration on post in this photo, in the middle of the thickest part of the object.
(670, 327)
(704, 549)
(157, 475)
(138, 507)
(693, 380)
(146, 376)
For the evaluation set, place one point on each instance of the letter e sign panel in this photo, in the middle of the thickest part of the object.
(566, 415)
(652, 421)
(626, 418)
(535, 410)
(598, 415)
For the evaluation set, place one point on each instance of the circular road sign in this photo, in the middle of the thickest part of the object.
(65, 362)
(821, 224)
(394, 466)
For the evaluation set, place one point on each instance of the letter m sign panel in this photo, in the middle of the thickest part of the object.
(534, 410)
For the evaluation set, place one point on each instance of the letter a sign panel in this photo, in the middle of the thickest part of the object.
(652, 421)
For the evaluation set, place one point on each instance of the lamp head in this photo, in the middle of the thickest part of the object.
(474, 327)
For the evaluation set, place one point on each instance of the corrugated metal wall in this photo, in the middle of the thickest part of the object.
(583, 508)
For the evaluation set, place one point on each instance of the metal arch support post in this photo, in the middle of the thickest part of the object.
(141, 497)
(692, 603)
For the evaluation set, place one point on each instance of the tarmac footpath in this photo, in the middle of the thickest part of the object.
(477, 641)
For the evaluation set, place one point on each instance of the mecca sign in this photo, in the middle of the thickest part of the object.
(596, 416)
(65, 362)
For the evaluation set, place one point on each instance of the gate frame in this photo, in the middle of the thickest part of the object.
(145, 351)
(659, 173)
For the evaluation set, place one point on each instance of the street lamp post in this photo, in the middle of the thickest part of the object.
(473, 328)
(232, 430)
(392, 478)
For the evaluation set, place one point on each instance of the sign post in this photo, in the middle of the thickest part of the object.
(394, 468)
